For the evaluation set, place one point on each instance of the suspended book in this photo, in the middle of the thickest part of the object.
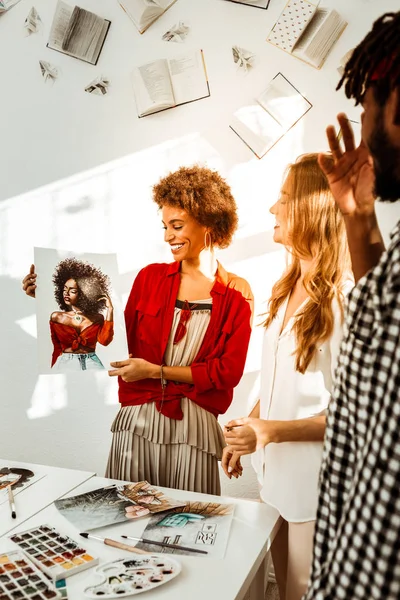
(144, 12)
(306, 31)
(5, 5)
(263, 122)
(256, 3)
(78, 32)
(164, 83)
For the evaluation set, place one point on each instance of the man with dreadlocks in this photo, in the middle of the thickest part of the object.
(356, 543)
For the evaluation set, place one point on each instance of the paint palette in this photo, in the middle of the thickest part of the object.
(56, 554)
(20, 579)
(126, 576)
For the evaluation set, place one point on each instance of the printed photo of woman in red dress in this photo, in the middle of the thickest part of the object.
(85, 318)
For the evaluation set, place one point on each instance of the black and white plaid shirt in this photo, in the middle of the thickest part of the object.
(357, 536)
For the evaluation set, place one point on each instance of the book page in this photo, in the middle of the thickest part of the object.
(152, 87)
(189, 78)
(291, 23)
(258, 130)
(60, 24)
(258, 3)
(283, 102)
(84, 35)
(311, 29)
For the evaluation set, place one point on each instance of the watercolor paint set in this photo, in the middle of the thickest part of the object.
(127, 577)
(20, 579)
(54, 553)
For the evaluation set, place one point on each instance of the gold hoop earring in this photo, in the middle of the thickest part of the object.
(209, 245)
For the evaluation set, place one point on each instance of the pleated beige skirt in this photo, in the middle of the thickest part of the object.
(181, 454)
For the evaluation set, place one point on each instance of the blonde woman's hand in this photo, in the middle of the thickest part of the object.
(230, 463)
(29, 282)
(134, 369)
(135, 511)
(247, 435)
(351, 176)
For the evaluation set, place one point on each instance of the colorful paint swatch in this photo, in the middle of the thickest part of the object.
(56, 554)
(20, 579)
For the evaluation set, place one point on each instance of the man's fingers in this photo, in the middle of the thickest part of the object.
(347, 132)
(333, 142)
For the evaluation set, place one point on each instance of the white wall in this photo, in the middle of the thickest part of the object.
(49, 133)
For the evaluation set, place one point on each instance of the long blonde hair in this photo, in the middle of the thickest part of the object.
(315, 229)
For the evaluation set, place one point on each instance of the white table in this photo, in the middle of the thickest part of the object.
(230, 578)
(54, 482)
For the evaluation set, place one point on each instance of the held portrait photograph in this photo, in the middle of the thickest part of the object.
(80, 322)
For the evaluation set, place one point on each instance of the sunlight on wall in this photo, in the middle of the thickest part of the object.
(110, 209)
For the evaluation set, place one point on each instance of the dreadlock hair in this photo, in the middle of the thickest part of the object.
(91, 282)
(378, 51)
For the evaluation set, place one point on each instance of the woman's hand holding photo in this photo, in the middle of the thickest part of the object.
(134, 369)
(247, 435)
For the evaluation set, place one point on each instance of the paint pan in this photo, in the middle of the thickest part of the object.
(56, 554)
(127, 577)
(20, 579)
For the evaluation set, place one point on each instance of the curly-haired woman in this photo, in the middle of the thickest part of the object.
(188, 327)
(303, 330)
(82, 293)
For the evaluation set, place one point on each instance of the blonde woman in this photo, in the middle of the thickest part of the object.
(303, 330)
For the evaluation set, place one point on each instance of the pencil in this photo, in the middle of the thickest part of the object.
(12, 503)
(164, 544)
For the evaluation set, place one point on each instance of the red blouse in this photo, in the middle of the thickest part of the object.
(219, 364)
(66, 336)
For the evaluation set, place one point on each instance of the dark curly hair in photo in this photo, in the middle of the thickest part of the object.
(380, 49)
(205, 195)
(91, 282)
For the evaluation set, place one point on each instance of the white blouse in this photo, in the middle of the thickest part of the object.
(288, 472)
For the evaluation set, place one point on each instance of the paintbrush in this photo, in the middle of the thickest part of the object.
(164, 544)
(113, 543)
(12, 503)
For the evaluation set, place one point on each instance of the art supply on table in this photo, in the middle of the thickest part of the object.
(114, 504)
(56, 554)
(200, 525)
(11, 501)
(21, 579)
(113, 543)
(127, 577)
(163, 544)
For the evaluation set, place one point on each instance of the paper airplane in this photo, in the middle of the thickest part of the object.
(98, 86)
(49, 71)
(33, 21)
(243, 58)
(177, 33)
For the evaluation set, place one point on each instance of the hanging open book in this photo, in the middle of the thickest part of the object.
(78, 32)
(262, 123)
(144, 12)
(306, 31)
(165, 83)
(256, 3)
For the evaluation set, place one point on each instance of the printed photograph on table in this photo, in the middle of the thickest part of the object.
(114, 504)
(56, 554)
(80, 322)
(127, 577)
(21, 579)
(199, 525)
